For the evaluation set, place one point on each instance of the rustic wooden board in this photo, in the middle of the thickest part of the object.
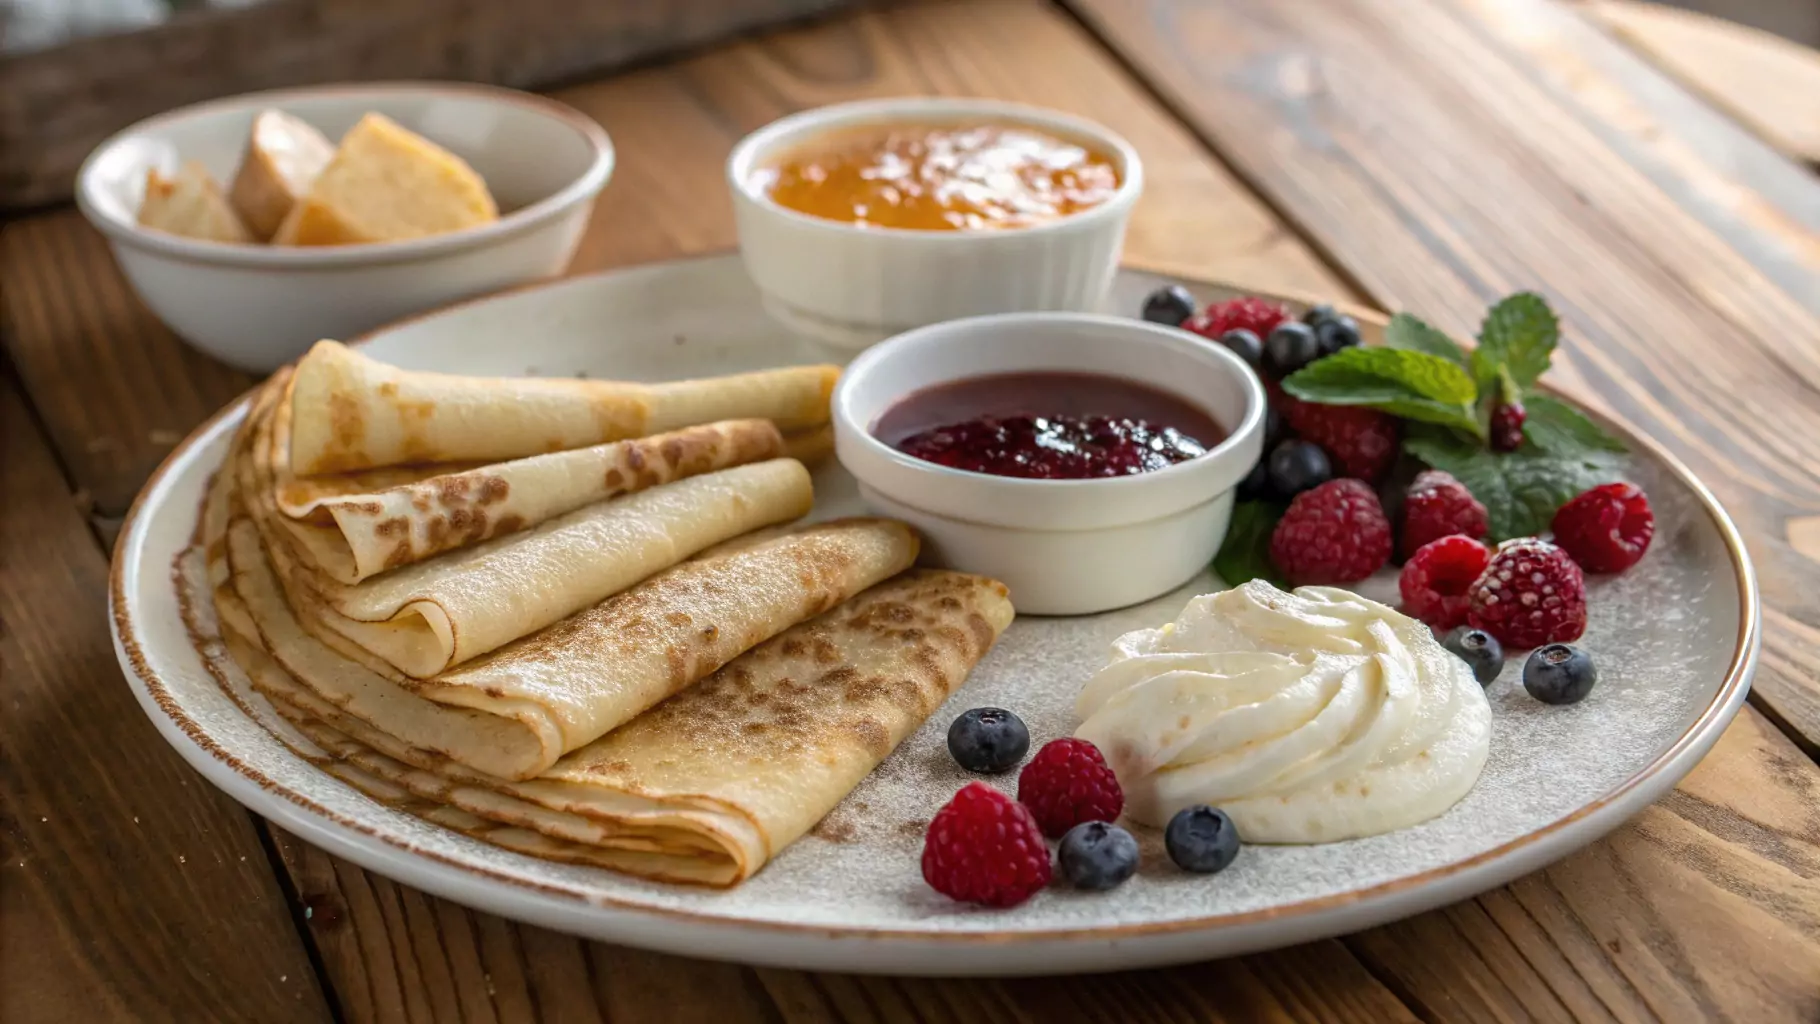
(1763, 80)
(131, 888)
(1701, 908)
(58, 104)
(1437, 165)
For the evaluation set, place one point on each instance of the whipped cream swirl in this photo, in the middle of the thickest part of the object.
(1308, 716)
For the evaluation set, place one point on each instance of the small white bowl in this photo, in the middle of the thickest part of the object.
(851, 286)
(1064, 547)
(258, 307)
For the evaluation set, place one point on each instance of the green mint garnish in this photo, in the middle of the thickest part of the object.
(1520, 490)
(1408, 332)
(1413, 384)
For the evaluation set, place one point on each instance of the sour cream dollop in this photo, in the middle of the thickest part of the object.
(1308, 716)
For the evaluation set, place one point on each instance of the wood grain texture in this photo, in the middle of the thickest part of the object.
(1443, 169)
(58, 104)
(131, 889)
(1704, 907)
(1763, 80)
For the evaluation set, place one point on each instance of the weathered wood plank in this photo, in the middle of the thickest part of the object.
(131, 888)
(1430, 161)
(1705, 907)
(1763, 80)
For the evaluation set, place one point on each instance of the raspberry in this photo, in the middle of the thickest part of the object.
(983, 847)
(1254, 314)
(1438, 505)
(1066, 783)
(1436, 579)
(1531, 594)
(1507, 426)
(1361, 442)
(1607, 529)
(1335, 533)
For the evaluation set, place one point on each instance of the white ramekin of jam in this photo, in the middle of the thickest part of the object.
(1087, 461)
(861, 220)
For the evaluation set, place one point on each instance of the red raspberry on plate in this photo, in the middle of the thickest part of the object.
(1507, 427)
(984, 847)
(1066, 783)
(1437, 578)
(1607, 529)
(1531, 594)
(1335, 533)
(1438, 505)
(1361, 442)
(1254, 314)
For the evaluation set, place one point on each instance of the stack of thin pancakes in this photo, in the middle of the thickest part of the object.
(569, 617)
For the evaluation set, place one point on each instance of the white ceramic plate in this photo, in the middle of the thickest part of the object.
(1676, 638)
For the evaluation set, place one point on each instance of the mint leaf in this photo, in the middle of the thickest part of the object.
(1521, 490)
(1518, 336)
(1245, 554)
(1408, 332)
(1560, 429)
(1402, 382)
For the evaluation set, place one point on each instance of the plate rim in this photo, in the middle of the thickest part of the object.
(1456, 880)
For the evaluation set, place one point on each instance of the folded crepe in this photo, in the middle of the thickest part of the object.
(711, 784)
(423, 618)
(514, 712)
(353, 412)
(349, 534)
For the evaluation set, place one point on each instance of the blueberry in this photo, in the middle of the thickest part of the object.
(1479, 650)
(1297, 466)
(1290, 347)
(1170, 305)
(1559, 674)
(988, 740)
(1245, 345)
(1338, 333)
(1318, 313)
(1097, 856)
(1256, 484)
(1273, 427)
(1201, 838)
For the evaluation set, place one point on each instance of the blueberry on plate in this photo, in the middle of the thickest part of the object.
(1245, 345)
(1202, 839)
(1274, 428)
(988, 740)
(1290, 347)
(1559, 674)
(1170, 305)
(1336, 333)
(1097, 856)
(1317, 314)
(1297, 466)
(1256, 485)
(1479, 650)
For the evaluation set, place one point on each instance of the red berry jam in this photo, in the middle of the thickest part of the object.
(1048, 426)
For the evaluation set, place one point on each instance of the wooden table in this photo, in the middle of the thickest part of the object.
(1421, 154)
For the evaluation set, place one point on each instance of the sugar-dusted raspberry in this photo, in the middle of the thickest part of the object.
(1253, 314)
(984, 847)
(1066, 783)
(1436, 580)
(1531, 594)
(1361, 442)
(1606, 529)
(1438, 505)
(1335, 533)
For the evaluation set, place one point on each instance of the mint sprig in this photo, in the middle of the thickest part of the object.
(1520, 490)
(1408, 332)
(1560, 429)
(1518, 338)
(1245, 553)
(1413, 384)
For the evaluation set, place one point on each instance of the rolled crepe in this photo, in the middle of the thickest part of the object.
(710, 785)
(353, 412)
(350, 536)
